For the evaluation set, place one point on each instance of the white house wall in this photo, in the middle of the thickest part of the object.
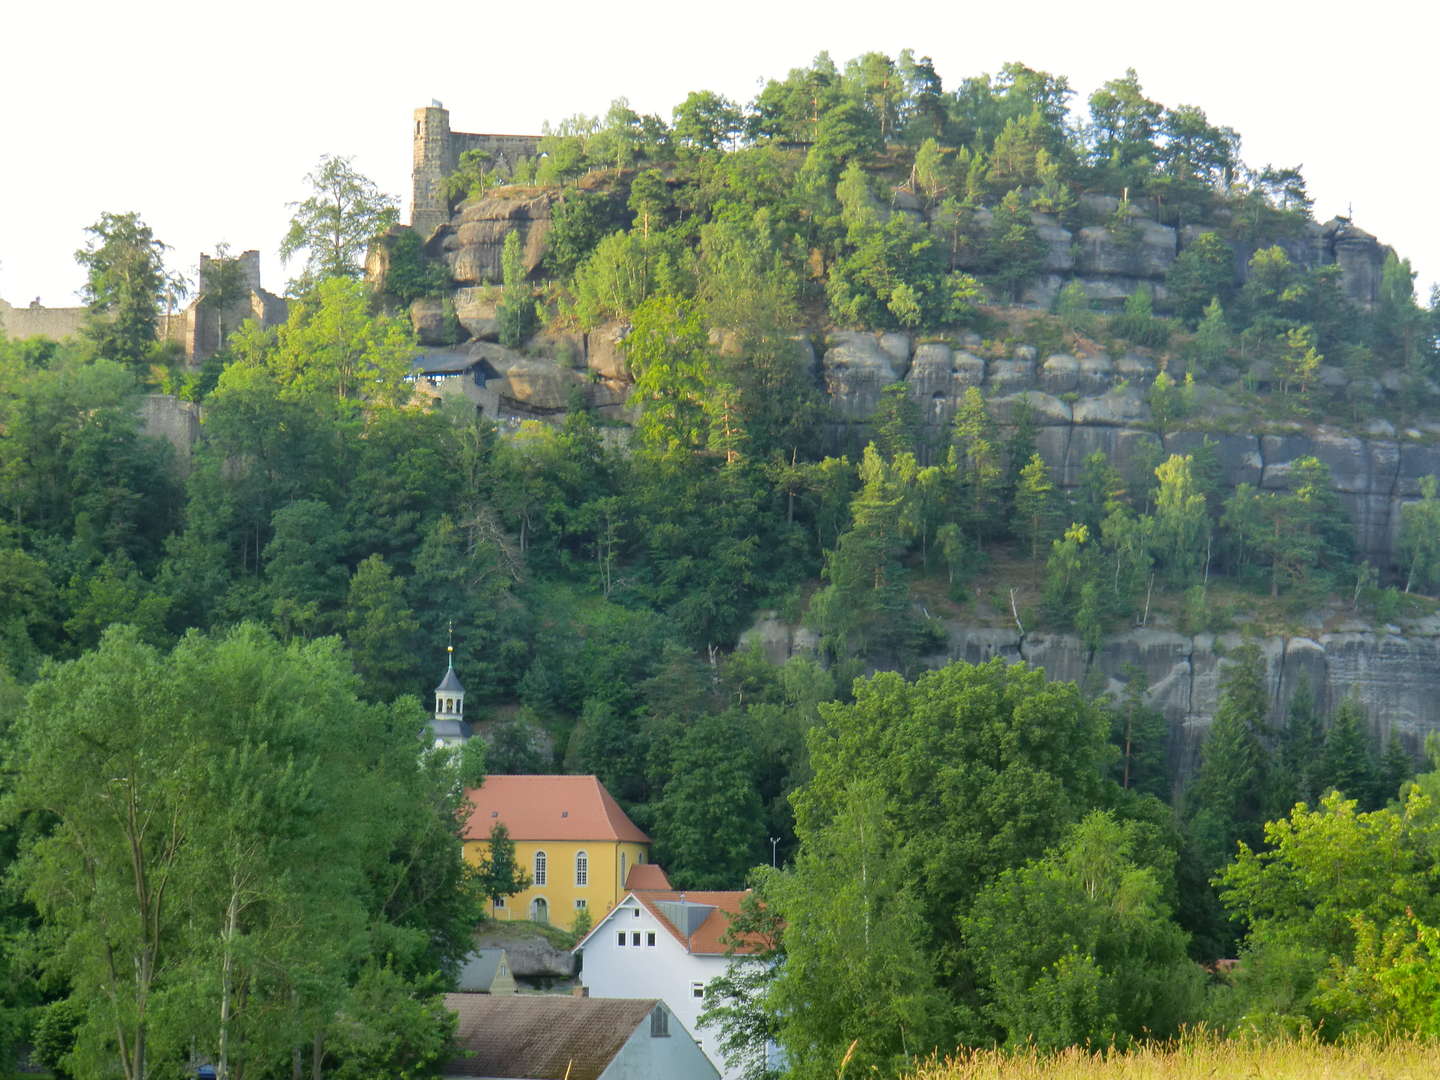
(667, 1057)
(663, 970)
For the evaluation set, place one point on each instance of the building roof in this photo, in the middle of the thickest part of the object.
(480, 967)
(450, 684)
(697, 920)
(549, 808)
(541, 1036)
(441, 362)
(646, 875)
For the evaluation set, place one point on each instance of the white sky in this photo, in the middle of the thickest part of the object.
(205, 117)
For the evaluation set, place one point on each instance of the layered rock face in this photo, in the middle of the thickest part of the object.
(1110, 263)
(1082, 404)
(1393, 674)
(473, 241)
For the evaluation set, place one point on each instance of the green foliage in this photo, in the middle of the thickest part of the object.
(1138, 324)
(411, 275)
(1333, 902)
(710, 818)
(226, 883)
(516, 312)
(1100, 961)
(578, 223)
(336, 223)
(1202, 274)
(333, 346)
(856, 983)
(126, 287)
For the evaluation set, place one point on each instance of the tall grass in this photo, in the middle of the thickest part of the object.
(1201, 1055)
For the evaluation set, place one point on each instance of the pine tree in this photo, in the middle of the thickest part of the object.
(1346, 762)
(1035, 505)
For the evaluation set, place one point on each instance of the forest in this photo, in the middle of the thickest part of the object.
(219, 824)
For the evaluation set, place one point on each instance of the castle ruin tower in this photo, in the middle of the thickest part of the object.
(448, 725)
(433, 161)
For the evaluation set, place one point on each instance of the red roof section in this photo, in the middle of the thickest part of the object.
(706, 938)
(549, 808)
(646, 875)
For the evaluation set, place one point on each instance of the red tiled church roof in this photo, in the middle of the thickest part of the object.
(549, 808)
(646, 875)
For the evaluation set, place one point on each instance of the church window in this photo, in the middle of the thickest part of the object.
(539, 875)
(582, 869)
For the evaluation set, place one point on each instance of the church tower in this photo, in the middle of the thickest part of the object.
(448, 725)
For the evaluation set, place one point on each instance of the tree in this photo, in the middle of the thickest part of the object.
(1035, 504)
(380, 630)
(125, 286)
(710, 817)
(1202, 273)
(1100, 961)
(1347, 763)
(1331, 901)
(706, 121)
(516, 312)
(335, 225)
(856, 971)
(1420, 537)
(333, 347)
(972, 769)
(213, 876)
(498, 874)
(737, 1003)
(1227, 800)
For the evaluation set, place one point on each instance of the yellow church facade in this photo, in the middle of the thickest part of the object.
(571, 838)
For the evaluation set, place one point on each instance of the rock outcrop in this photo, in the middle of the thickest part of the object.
(472, 243)
(1393, 674)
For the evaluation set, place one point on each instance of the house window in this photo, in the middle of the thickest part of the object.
(540, 864)
(659, 1024)
(635, 911)
(620, 939)
(650, 938)
(582, 869)
(697, 989)
(580, 905)
(635, 938)
(499, 902)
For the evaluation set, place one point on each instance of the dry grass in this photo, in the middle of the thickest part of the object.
(1202, 1057)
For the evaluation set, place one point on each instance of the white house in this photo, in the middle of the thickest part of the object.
(548, 1037)
(660, 943)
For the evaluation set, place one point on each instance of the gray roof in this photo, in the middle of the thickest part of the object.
(442, 362)
(450, 684)
(478, 971)
(446, 728)
(542, 1036)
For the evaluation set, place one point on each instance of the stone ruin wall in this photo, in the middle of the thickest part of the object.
(56, 323)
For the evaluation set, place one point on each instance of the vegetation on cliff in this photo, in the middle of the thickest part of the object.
(595, 583)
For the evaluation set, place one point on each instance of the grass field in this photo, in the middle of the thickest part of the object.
(1203, 1057)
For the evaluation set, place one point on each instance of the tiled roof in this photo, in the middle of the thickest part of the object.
(646, 875)
(450, 684)
(541, 1036)
(706, 938)
(549, 808)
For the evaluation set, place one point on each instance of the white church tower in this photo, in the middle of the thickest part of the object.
(448, 724)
